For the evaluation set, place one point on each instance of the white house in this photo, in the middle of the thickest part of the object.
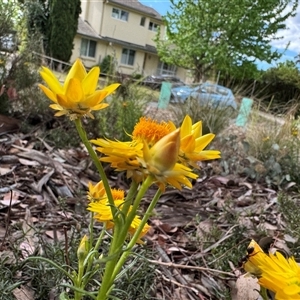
(125, 30)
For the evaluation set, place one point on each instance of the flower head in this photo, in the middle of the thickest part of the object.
(78, 96)
(159, 150)
(275, 272)
(193, 143)
(103, 212)
(96, 192)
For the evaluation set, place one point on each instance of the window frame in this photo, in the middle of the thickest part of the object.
(143, 21)
(119, 14)
(128, 57)
(88, 48)
(166, 69)
(153, 26)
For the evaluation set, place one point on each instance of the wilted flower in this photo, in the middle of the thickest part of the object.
(78, 96)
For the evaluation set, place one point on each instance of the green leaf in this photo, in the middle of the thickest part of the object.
(63, 296)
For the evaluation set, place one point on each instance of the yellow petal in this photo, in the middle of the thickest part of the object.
(53, 83)
(203, 141)
(188, 144)
(48, 93)
(56, 107)
(94, 99)
(74, 91)
(100, 106)
(205, 155)
(64, 102)
(172, 126)
(111, 88)
(186, 126)
(197, 129)
(90, 82)
(77, 71)
(61, 113)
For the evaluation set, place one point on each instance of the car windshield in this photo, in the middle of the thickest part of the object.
(222, 91)
(212, 89)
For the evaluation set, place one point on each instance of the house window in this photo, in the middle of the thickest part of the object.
(88, 48)
(143, 20)
(166, 69)
(120, 14)
(127, 57)
(153, 26)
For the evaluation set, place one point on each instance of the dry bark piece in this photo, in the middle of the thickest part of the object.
(8, 124)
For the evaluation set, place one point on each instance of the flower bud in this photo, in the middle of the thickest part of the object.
(82, 250)
(164, 154)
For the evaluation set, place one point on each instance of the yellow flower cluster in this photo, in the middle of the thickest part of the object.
(99, 204)
(159, 150)
(274, 272)
(78, 96)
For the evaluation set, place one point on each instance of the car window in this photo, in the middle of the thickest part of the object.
(222, 91)
(209, 89)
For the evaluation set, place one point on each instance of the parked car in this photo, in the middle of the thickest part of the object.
(205, 93)
(155, 81)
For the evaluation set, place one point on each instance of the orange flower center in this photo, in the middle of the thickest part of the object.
(150, 130)
(117, 194)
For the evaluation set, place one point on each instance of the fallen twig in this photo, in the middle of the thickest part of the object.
(170, 264)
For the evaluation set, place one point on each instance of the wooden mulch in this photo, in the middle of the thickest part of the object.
(35, 176)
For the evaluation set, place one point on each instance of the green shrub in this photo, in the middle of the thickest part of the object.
(119, 118)
(215, 118)
(107, 66)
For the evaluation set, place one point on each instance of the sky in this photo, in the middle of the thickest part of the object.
(290, 35)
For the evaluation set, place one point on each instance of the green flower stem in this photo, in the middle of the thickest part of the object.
(78, 295)
(133, 212)
(129, 198)
(118, 242)
(263, 293)
(91, 231)
(97, 163)
(137, 234)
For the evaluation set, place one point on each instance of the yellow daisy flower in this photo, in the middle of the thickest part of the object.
(193, 143)
(78, 96)
(276, 273)
(96, 192)
(153, 151)
(102, 208)
(159, 150)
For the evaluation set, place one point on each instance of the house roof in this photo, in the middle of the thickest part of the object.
(136, 5)
(84, 28)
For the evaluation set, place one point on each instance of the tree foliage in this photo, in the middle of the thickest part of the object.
(282, 84)
(63, 22)
(18, 67)
(56, 21)
(201, 34)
